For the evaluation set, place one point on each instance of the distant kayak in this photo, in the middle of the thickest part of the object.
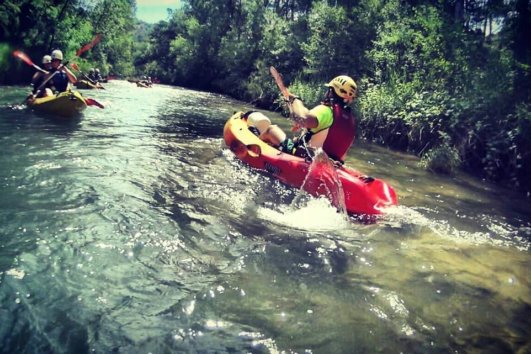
(361, 194)
(65, 104)
(142, 84)
(87, 85)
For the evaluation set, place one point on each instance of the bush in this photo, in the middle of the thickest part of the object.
(441, 159)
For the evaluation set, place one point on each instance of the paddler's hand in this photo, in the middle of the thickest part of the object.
(291, 97)
(338, 164)
(296, 127)
(298, 122)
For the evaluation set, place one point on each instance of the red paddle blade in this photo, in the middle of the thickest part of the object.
(74, 66)
(88, 46)
(93, 102)
(22, 56)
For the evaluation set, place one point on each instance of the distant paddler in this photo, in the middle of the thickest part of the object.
(39, 77)
(88, 83)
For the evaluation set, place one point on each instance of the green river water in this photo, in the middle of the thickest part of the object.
(134, 229)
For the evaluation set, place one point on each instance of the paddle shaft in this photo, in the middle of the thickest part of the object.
(284, 91)
(279, 82)
(296, 123)
(38, 68)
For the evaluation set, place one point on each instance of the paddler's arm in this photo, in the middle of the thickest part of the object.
(302, 115)
(71, 77)
(35, 77)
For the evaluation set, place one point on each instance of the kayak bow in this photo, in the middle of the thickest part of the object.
(65, 104)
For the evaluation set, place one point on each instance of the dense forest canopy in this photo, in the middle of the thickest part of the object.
(447, 80)
(39, 26)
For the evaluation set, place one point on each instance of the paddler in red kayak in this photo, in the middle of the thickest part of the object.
(330, 125)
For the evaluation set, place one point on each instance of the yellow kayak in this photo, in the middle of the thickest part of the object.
(66, 104)
(84, 84)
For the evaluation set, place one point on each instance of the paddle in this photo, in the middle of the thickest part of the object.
(93, 102)
(280, 83)
(76, 68)
(287, 95)
(26, 59)
(89, 45)
(22, 56)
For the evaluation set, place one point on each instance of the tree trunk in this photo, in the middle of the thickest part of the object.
(57, 20)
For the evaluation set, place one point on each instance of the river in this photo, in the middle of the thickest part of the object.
(133, 229)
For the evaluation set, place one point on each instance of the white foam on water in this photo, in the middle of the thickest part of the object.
(316, 215)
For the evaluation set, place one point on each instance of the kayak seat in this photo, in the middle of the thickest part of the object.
(367, 179)
(254, 131)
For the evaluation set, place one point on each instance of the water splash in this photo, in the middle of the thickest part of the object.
(312, 214)
(16, 107)
(322, 179)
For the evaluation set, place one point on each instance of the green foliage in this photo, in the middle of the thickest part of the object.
(37, 27)
(9, 12)
(412, 47)
(5, 62)
(311, 93)
(5, 52)
(331, 47)
(443, 158)
(279, 46)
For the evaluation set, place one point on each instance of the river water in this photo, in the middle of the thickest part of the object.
(133, 229)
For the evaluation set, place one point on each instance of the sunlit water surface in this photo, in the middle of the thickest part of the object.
(133, 229)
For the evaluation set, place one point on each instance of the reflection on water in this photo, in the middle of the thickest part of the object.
(133, 229)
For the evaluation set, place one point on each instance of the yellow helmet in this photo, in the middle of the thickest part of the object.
(46, 59)
(345, 87)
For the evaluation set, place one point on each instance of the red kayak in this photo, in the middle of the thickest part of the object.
(359, 194)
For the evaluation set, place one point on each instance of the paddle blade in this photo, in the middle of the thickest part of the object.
(74, 66)
(93, 102)
(323, 180)
(88, 46)
(279, 82)
(22, 56)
